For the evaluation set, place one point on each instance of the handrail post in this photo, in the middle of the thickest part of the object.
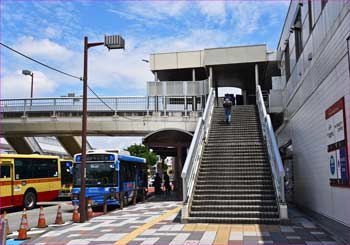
(147, 105)
(116, 107)
(25, 108)
(54, 107)
(185, 104)
(164, 105)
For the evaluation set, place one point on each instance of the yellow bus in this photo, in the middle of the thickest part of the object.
(28, 179)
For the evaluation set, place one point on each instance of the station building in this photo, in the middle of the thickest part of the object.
(307, 87)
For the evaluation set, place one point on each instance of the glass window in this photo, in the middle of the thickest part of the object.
(5, 172)
(298, 36)
(23, 168)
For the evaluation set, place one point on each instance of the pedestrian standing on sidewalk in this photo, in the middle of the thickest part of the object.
(227, 107)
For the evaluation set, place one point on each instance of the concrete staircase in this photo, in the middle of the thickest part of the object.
(234, 183)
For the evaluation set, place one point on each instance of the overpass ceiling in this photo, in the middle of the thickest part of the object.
(182, 74)
(165, 141)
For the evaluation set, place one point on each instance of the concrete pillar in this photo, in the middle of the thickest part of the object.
(210, 77)
(194, 102)
(244, 95)
(179, 170)
(20, 145)
(256, 75)
(72, 144)
(156, 97)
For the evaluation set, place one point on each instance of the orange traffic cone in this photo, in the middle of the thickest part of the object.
(59, 220)
(4, 217)
(90, 213)
(41, 220)
(25, 215)
(76, 216)
(22, 234)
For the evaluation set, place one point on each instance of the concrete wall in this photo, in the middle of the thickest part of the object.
(313, 87)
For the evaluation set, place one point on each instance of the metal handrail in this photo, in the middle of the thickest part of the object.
(272, 147)
(190, 168)
(109, 103)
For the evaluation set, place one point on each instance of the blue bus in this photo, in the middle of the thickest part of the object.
(110, 172)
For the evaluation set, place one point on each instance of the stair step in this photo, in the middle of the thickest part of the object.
(239, 177)
(229, 192)
(271, 208)
(234, 197)
(260, 202)
(235, 214)
(233, 182)
(241, 220)
(235, 187)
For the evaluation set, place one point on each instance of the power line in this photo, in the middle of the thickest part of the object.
(36, 61)
(57, 70)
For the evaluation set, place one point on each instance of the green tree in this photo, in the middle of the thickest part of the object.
(142, 151)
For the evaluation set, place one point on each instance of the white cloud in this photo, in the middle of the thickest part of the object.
(51, 32)
(215, 10)
(42, 48)
(16, 85)
(158, 10)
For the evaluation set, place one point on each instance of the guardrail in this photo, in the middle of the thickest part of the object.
(144, 104)
(190, 168)
(273, 153)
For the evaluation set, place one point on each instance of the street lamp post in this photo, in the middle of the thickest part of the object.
(111, 42)
(29, 73)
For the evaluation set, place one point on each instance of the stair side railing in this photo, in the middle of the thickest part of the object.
(191, 166)
(273, 154)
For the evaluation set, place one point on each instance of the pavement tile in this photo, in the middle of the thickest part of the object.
(235, 242)
(208, 237)
(195, 236)
(236, 236)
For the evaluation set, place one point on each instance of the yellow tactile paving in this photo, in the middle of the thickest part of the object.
(212, 227)
(236, 228)
(189, 227)
(249, 228)
(144, 227)
(201, 227)
(222, 235)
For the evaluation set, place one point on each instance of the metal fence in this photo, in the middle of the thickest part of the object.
(144, 104)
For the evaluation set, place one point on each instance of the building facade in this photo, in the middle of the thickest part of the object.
(314, 100)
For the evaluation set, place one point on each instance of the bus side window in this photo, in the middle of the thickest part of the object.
(5, 172)
(23, 168)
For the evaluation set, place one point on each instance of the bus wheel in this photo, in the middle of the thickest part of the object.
(29, 200)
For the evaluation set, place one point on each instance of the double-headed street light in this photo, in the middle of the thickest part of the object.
(111, 42)
(29, 73)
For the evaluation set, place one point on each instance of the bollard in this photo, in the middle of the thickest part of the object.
(104, 204)
(3, 232)
(134, 197)
(121, 201)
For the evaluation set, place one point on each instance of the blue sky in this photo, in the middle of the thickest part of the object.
(53, 32)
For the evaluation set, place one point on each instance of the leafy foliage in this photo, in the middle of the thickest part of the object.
(142, 151)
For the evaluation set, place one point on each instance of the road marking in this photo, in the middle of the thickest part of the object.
(144, 227)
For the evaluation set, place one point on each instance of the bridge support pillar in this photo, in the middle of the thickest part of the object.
(24, 145)
(72, 144)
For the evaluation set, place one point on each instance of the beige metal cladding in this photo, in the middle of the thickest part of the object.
(235, 55)
(177, 60)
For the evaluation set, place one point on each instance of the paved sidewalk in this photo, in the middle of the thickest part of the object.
(158, 223)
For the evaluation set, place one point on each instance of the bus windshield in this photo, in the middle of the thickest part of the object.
(97, 174)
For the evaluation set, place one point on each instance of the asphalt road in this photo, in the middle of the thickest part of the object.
(50, 210)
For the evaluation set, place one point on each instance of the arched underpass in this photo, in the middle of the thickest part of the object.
(171, 143)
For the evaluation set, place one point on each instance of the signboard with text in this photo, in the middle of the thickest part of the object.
(337, 144)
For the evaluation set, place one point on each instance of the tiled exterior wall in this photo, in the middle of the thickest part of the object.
(313, 87)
